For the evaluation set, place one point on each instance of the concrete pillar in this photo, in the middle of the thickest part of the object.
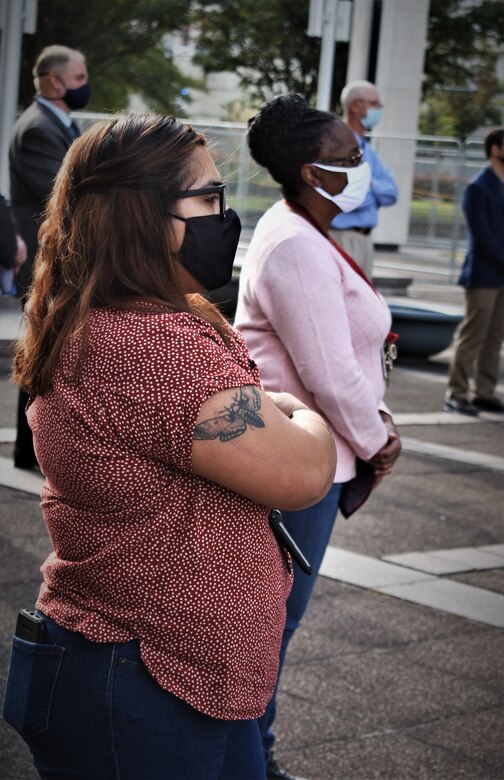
(358, 54)
(327, 50)
(401, 53)
(10, 55)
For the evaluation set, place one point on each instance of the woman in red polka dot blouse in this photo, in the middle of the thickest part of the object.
(162, 606)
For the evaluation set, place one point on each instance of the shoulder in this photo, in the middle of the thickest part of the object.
(146, 338)
(35, 115)
(282, 230)
(38, 120)
(483, 180)
(479, 191)
(150, 323)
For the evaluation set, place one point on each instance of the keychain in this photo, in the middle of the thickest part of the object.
(389, 354)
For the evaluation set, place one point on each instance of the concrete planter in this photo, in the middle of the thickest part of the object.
(423, 330)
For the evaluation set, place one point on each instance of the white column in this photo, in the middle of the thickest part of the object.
(10, 57)
(358, 54)
(403, 33)
(327, 49)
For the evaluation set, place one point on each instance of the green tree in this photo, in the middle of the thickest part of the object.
(123, 44)
(264, 42)
(461, 88)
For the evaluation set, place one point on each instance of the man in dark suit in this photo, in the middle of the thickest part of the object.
(39, 142)
(12, 248)
(479, 338)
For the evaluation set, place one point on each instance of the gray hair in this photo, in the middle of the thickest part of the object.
(53, 56)
(353, 91)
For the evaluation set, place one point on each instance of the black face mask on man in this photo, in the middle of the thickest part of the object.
(77, 98)
(210, 242)
(74, 98)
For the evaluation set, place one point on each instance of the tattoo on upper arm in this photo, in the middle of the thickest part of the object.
(233, 420)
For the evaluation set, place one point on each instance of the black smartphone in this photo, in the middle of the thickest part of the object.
(286, 540)
(30, 626)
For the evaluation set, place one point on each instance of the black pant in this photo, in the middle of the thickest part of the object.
(24, 454)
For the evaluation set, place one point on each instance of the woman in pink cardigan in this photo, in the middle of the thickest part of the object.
(313, 322)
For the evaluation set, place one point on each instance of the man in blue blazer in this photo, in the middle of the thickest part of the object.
(479, 338)
(39, 142)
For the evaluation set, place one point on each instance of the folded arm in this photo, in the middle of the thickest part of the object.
(245, 440)
(383, 184)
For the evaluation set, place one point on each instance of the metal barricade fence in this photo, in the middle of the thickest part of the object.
(443, 166)
(436, 170)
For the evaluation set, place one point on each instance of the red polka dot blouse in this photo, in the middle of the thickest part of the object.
(143, 547)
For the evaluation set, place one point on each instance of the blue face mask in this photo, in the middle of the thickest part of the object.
(373, 116)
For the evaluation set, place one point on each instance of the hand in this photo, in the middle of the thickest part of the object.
(22, 252)
(383, 461)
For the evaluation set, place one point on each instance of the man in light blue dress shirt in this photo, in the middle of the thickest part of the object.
(362, 110)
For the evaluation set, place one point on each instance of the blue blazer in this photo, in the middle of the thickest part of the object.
(483, 204)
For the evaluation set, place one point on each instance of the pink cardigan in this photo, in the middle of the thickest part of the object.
(316, 329)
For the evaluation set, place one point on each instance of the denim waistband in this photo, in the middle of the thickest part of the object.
(57, 635)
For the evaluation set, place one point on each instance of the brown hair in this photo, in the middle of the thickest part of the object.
(107, 239)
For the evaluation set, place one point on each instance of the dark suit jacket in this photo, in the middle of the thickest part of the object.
(483, 204)
(38, 145)
(8, 243)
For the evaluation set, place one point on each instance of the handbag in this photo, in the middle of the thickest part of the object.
(356, 491)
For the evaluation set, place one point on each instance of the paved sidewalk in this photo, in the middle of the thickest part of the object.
(398, 670)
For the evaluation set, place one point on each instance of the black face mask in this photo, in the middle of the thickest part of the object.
(77, 98)
(209, 247)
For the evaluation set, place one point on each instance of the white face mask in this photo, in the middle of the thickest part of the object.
(353, 194)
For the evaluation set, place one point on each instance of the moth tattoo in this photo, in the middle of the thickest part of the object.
(234, 419)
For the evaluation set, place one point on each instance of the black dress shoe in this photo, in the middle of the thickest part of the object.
(488, 404)
(460, 405)
(275, 772)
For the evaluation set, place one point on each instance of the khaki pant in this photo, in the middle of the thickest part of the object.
(477, 345)
(358, 246)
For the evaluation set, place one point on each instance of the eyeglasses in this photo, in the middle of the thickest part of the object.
(353, 160)
(217, 190)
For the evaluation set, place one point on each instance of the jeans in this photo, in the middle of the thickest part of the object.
(91, 710)
(311, 529)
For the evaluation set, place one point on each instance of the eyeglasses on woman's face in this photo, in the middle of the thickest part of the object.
(345, 162)
(211, 195)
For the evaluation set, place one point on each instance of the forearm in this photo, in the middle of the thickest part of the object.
(324, 450)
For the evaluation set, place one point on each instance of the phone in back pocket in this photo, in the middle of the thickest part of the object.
(30, 626)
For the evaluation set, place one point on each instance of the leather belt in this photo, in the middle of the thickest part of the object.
(364, 231)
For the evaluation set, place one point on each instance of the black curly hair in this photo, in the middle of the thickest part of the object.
(285, 134)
